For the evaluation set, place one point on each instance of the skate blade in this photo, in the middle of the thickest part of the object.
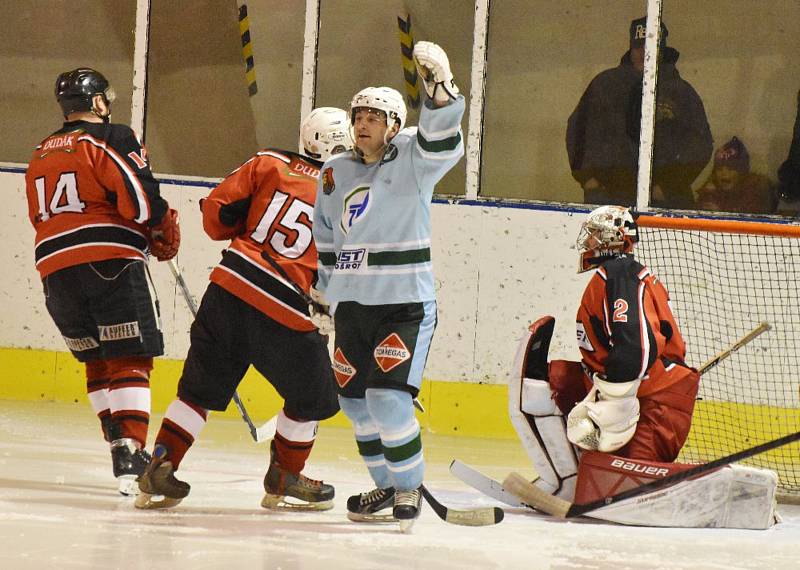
(406, 525)
(281, 503)
(148, 501)
(371, 518)
(128, 485)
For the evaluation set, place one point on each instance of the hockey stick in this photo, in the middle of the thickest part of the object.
(263, 433)
(761, 328)
(545, 502)
(484, 484)
(481, 516)
(318, 307)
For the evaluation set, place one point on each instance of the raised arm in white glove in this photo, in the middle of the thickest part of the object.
(434, 69)
(606, 419)
(320, 313)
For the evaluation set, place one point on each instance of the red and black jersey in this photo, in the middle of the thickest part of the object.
(266, 206)
(626, 329)
(91, 196)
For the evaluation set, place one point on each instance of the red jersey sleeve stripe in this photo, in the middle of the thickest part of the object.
(143, 204)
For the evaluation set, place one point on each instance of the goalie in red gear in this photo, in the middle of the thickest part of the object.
(620, 416)
(96, 209)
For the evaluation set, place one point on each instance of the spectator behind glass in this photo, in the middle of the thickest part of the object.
(789, 171)
(732, 187)
(603, 131)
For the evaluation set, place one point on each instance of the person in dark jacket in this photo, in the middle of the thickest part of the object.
(603, 131)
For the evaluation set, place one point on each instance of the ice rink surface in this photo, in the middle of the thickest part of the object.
(59, 509)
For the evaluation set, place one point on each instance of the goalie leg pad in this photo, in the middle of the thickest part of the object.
(542, 431)
(735, 496)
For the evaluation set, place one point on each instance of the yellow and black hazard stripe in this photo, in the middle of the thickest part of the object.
(410, 76)
(247, 50)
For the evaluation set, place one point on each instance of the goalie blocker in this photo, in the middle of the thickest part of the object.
(541, 393)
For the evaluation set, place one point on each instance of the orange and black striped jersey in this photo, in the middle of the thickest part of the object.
(266, 206)
(91, 196)
(626, 329)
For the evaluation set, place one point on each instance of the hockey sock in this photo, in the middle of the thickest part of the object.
(97, 391)
(393, 411)
(368, 439)
(129, 395)
(293, 442)
(182, 424)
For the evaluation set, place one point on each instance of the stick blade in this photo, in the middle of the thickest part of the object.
(482, 516)
(535, 497)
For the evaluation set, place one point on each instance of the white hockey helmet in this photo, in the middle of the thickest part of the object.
(608, 231)
(384, 99)
(324, 132)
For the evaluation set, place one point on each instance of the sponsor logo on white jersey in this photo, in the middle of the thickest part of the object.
(583, 338)
(391, 353)
(342, 369)
(350, 260)
(355, 207)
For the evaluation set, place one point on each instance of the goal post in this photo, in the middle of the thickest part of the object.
(724, 278)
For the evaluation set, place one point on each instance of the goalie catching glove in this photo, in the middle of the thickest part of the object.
(434, 68)
(320, 313)
(606, 419)
(165, 238)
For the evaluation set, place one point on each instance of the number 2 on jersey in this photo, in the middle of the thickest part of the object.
(280, 241)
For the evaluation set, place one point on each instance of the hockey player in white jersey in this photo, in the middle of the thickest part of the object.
(373, 235)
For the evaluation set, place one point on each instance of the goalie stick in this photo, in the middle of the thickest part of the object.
(481, 516)
(263, 433)
(547, 503)
(711, 363)
(484, 484)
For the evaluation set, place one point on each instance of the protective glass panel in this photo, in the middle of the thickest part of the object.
(542, 56)
(42, 39)
(360, 46)
(224, 81)
(741, 59)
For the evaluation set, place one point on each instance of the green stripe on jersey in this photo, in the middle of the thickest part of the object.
(327, 258)
(443, 145)
(399, 257)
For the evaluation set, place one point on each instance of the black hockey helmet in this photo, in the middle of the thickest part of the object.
(75, 89)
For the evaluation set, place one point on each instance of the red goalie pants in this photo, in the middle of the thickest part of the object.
(664, 417)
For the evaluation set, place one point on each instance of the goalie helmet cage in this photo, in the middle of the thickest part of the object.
(724, 277)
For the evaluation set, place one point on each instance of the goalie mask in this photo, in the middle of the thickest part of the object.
(609, 231)
(324, 133)
(76, 89)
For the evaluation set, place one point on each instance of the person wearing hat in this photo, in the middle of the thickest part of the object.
(732, 187)
(602, 136)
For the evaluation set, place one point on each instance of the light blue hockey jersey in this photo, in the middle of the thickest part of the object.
(372, 222)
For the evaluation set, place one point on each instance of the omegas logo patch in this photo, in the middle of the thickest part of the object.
(342, 369)
(355, 207)
(391, 353)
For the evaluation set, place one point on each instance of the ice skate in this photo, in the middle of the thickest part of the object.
(294, 491)
(129, 463)
(407, 505)
(365, 507)
(159, 489)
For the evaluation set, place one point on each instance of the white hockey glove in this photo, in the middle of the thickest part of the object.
(606, 419)
(434, 68)
(320, 313)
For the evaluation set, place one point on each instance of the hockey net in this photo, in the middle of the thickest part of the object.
(724, 278)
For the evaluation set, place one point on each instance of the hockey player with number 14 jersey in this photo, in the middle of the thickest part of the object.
(372, 229)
